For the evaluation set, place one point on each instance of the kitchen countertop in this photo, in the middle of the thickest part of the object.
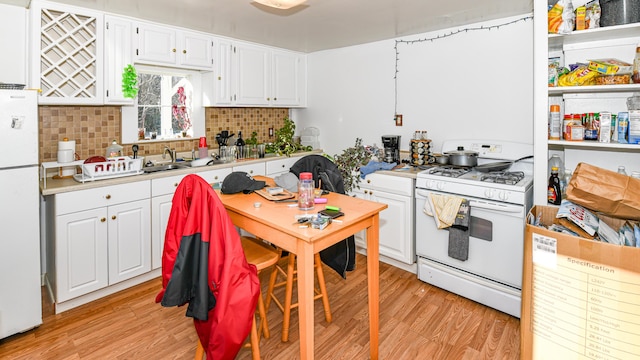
(57, 186)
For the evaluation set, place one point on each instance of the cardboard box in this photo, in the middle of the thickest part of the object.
(605, 191)
(580, 298)
(610, 66)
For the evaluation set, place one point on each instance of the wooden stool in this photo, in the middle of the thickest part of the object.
(288, 283)
(262, 256)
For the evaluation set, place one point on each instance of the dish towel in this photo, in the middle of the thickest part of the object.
(375, 166)
(459, 233)
(443, 208)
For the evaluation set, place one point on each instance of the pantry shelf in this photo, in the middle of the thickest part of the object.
(557, 41)
(560, 90)
(595, 145)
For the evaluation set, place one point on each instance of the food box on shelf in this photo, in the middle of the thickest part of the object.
(610, 66)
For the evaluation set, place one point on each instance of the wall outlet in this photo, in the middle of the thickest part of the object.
(270, 132)
(398, 120)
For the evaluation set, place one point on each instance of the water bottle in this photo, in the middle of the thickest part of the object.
(114, 150)
(621, 170)
(556, 161)
(305, 191)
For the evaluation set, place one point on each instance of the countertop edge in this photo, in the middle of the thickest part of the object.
(58, 186)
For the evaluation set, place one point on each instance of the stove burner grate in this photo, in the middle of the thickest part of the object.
(449, 171)
(503, 177)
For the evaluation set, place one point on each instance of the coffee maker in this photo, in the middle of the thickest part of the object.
(391, 145)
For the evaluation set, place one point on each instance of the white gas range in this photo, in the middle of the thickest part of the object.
(498, 201)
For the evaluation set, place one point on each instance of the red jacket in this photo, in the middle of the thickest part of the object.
(203, 264)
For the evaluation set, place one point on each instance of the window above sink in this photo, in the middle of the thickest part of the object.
(168, 106)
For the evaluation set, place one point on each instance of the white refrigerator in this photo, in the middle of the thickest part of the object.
(20, 298)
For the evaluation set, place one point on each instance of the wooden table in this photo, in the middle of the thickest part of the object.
(274, 222)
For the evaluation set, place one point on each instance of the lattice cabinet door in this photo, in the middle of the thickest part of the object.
(67, 48)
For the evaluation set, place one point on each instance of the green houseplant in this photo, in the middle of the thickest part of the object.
(349, 163)
(284, 144)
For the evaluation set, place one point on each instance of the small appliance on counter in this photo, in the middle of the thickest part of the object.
(391, 145)
(66, 154)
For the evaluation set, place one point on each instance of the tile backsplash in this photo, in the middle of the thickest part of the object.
(94, 127)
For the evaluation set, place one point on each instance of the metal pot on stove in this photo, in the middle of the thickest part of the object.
(462, 157)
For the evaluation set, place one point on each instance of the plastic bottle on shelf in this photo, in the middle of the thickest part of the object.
(305, 191)
(555, 124)
(622, 170)
(554, 191)
(636, 67)
(565, 180)
(556, 161)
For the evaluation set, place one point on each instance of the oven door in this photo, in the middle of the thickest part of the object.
(495, 241)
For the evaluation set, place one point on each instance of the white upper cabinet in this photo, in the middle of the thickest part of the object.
(163, 45)
(253, 75)
(289, 78)
(67, 54)
(118, 53)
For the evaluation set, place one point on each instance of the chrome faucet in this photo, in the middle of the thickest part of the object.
(172, 153)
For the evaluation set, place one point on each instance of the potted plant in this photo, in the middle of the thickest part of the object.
(284, 144)
(349, 163)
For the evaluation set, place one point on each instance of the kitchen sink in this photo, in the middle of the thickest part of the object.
(166, 167)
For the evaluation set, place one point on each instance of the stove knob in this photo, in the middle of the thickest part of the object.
(503, 195)
(488, 193)
(431, 184)
(440, 185)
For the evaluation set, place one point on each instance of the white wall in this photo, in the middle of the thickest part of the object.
(13, 27)
(477, 84)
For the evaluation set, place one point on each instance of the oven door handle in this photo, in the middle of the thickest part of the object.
(495, 206)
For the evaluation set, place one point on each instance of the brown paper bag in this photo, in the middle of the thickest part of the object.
(605, 191)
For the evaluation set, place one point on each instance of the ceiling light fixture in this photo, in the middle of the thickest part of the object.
(280, 4)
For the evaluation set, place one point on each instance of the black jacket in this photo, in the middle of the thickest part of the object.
(341, 256)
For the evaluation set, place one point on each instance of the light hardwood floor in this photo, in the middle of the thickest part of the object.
(417, 321)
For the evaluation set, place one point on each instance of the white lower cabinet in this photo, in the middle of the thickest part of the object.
(162, 191)
(397, 239)
(102, 237)
(252, 169)
(280, 166)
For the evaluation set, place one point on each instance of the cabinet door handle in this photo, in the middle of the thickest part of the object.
(274, 99)
(113, 217)
(184, 51)
(215, 178)
(175, 185)
(368, 181)
(103, 219)
(108, 197)
(251, 172)
(173, 50)
(268, 99)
